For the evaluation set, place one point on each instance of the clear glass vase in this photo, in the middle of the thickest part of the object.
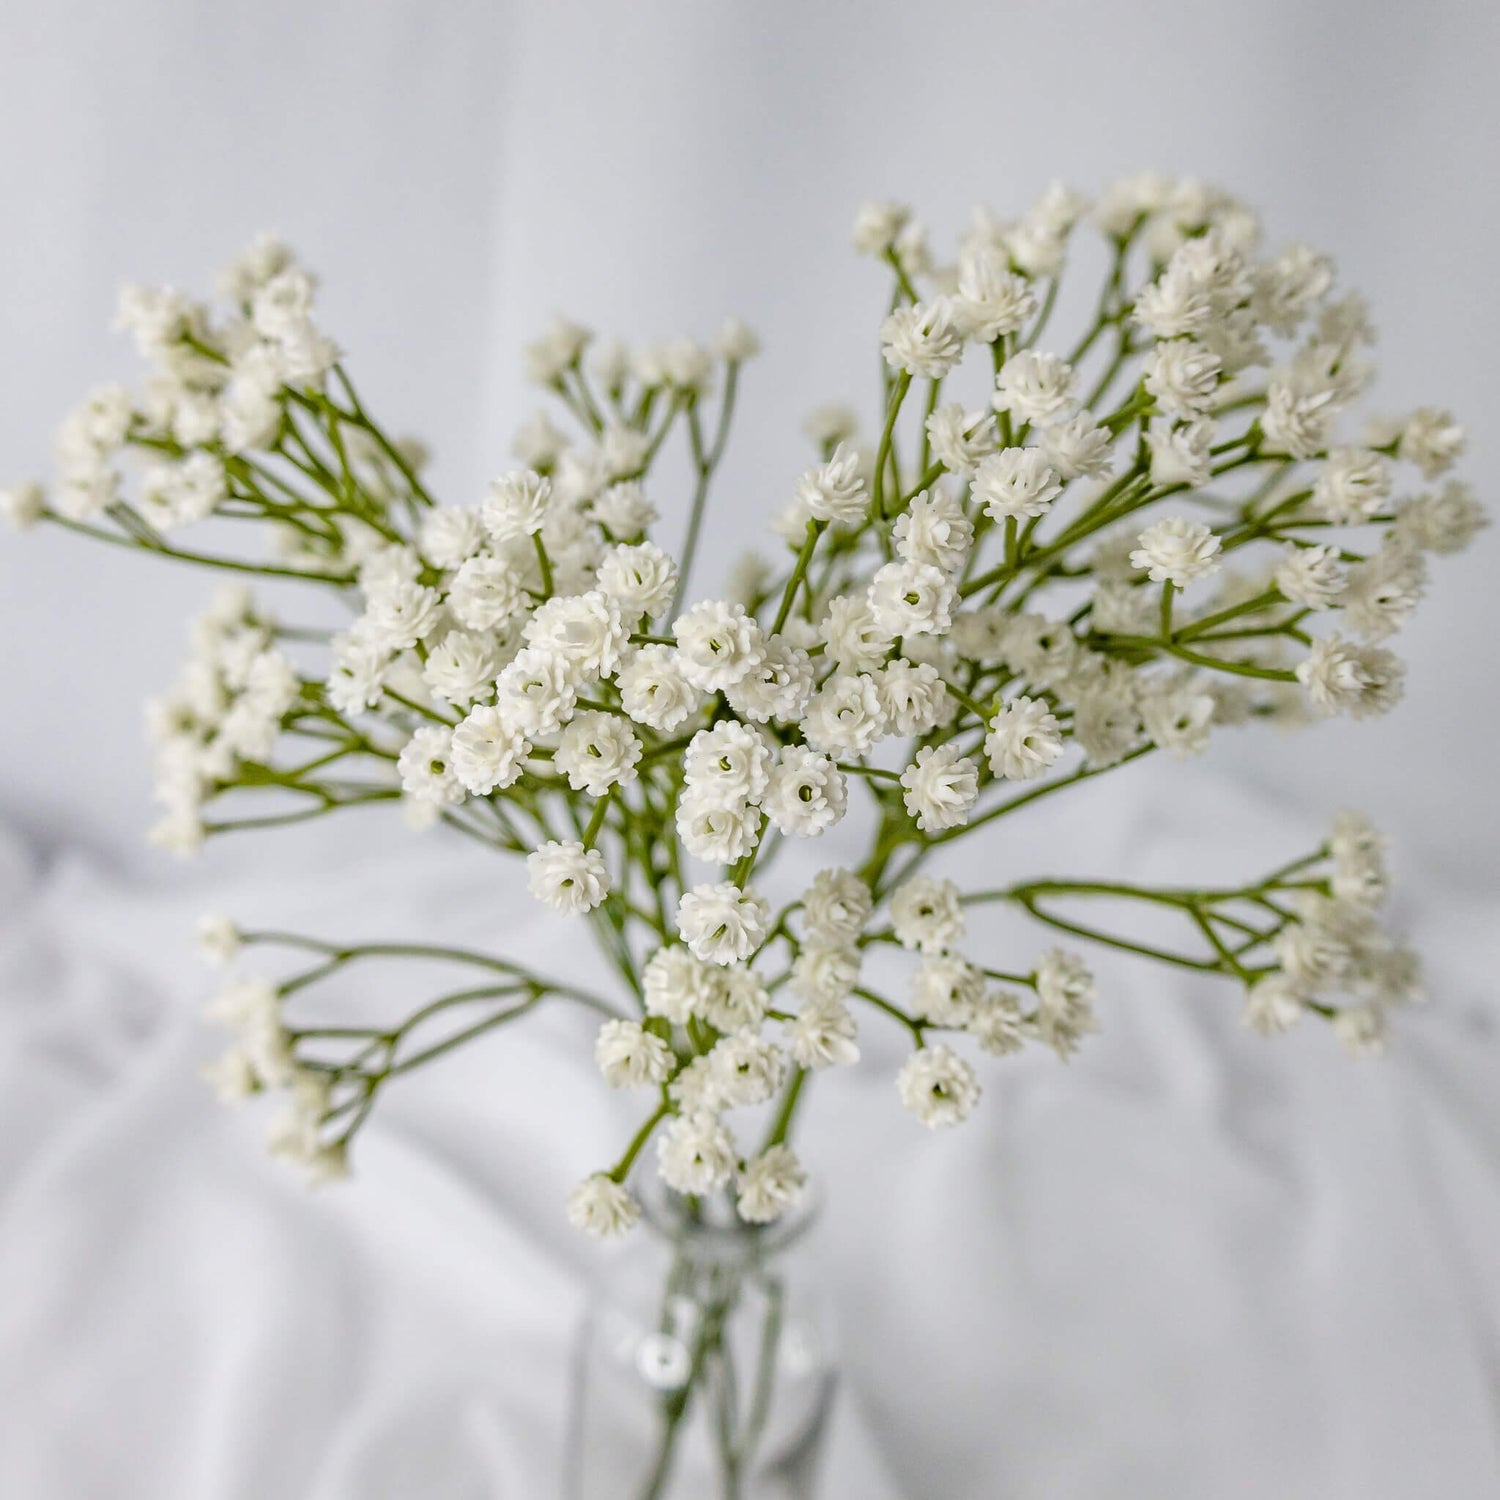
(703, 1367)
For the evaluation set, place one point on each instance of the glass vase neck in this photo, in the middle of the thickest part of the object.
(709, 1231)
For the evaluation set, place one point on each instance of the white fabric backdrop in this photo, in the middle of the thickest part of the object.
(1186, 1264)
(1189, 1263)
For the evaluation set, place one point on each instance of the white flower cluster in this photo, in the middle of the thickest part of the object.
(262, 1058)
(1336, 948)
(222, 721)
(1057, 556)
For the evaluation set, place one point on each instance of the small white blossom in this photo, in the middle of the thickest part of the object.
(737, 1000)
(960, 439)
(823, 1034)
(677, 985)
(1431, 440)
(1183, 376)
(586, 631)
(567, 877)
(1445, 521)
(450, 536)
(877, 225)
(934, 531)
(1023, 739)
(560, 347)
(941, 786)
(717, 829)
(1035, 387)
(534, 693)
(687, 366)
(992, 299)
(938, 1086)
(855, 642)
(823, 971)
(23, 505)
(695, 1089)
(231, 1076)
(485, 592)
(769, 1185)
(736, 342)
(923, 339)
(1362, 1030)
(912, 599)
(1178, 719)
(1351, 486)
(1177, 551)
(653, 689)
(1078, 448)
(696, 1154)
(926, 913)
(945, 990)
(778, 687)
(295, 1135)
(1312, 576)
(1015, 482)
(601, 1206)
(1176, 303)
(835, 907)
(1383, 592)
(623, 510)
(722, 924)
(1272, 1005)
(597, 751)
(1342, 677)
(426, 766)
(1065, 994)
(835, 491)
(640, 576)
(516, 505)
(1290, 287)
(914, 699)
(806, 794)
(218, 938)
(1359, 871)
(631, 1057)
(729, 760)
(997, 1023)
(399, 615)
(844, 716)
(1106, 726)
(461, 667)
(717, 644)
(1314, 958)
(1180, 453)
(487, 753)
(746, 1069)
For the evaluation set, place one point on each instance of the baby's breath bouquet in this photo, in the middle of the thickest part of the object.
(1050, 555)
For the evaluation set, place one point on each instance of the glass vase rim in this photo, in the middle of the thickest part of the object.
(725, 1235)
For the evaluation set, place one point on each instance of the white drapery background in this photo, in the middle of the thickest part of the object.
(1184, 1265)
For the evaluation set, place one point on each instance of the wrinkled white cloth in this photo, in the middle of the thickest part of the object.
(1190, 1263)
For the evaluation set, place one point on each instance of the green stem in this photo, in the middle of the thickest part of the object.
(621, 1168)
(882, 453)
(596, 819)
(783, 1121)
(895, 1012)
(1083, 773)
(202, 559)
(799, 572)
(544, 564)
